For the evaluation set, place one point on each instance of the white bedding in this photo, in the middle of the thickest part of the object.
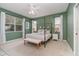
(39, 36)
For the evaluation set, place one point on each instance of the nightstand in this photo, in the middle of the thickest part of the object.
(54, 36)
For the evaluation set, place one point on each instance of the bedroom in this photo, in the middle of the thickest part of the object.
(36, 21)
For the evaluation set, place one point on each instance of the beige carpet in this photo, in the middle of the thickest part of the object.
(53, 48)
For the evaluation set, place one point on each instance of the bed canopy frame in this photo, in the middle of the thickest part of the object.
(48, 27)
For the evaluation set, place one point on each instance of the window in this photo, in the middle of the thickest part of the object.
(18, 27)
(9, 27)
(27, 25)
(18, 24)
(57, 24)
(9, 23)
(34, 26)
(18, 21)
(13, 23)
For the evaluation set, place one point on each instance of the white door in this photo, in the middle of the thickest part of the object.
(76, 29)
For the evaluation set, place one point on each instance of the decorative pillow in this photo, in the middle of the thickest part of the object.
(41, 31)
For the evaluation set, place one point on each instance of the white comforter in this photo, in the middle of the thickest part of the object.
(39, 36)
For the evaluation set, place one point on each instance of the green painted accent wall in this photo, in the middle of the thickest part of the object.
(40, 22)
(51, 19)
(70, 25)
(65, 26)
(13, 35)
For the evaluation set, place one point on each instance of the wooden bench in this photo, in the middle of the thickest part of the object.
(35, 41)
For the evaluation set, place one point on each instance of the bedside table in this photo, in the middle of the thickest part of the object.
(54, 36)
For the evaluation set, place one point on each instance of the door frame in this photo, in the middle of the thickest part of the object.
(75, 30)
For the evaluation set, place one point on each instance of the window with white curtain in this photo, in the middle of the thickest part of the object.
(34, 26)
(57, 24)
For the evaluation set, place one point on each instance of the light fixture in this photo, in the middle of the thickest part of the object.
(31, 12)
(33, 9)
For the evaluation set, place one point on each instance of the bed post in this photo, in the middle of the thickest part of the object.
(51, 30)
(44, 33)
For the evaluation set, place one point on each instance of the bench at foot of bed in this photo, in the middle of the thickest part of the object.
(35, 41)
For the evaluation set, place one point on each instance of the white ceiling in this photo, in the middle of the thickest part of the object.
(43, 9)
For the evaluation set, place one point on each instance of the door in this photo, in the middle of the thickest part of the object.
(76, 29)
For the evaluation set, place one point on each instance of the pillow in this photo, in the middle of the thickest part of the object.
(41, 31)
(47, 31)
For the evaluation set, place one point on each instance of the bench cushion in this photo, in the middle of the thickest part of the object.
(33, 40)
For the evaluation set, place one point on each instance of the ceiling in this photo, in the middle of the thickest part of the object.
(42, 9)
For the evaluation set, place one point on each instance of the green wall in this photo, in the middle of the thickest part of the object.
(70, 25)
(50, 19)
(40, 22)
(65, 26)
(13, 35)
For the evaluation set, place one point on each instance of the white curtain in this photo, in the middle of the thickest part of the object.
(34, 26)
(61, 27)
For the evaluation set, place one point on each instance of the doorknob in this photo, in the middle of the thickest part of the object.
(76, 33)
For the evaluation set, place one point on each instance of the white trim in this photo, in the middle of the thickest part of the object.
(23, 28)
(74, 22)
(61, 32)
(3, 17)
(74, 29)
